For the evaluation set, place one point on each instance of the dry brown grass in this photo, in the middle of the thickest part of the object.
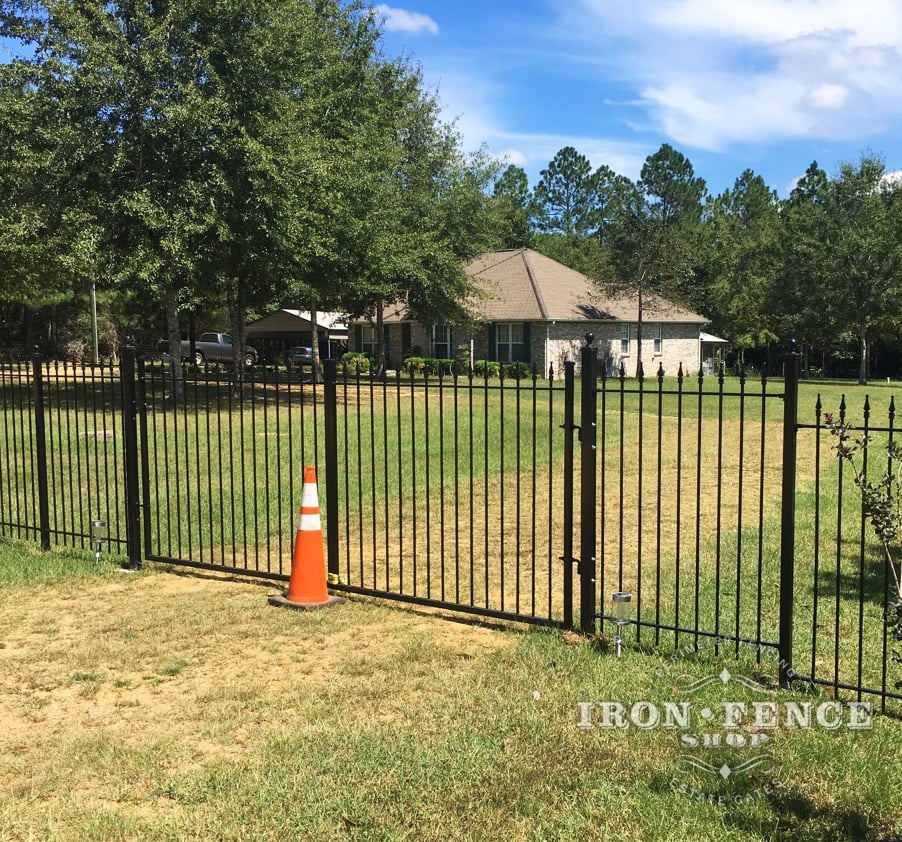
(173, 671)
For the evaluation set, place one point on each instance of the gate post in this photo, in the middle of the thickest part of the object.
(330, 435)
(588, 502)
(130, 441)
(41, 451)
(569, 427)
(141, 396)
(788, 512)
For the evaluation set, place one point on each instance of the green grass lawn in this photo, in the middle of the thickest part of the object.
(155, 706)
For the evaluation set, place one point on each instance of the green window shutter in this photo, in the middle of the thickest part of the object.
(493, 338)
(358, 337)
(405, 339)
(527, 343)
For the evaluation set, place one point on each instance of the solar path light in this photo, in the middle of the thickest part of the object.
(621, 614)
(98, 536)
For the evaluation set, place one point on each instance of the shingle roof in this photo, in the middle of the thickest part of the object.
(520, 285)
(523, 285)
(289, 319)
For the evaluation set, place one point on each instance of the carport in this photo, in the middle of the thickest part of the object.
(711, 351)
(274, 334)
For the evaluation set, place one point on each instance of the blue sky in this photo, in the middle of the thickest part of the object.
(769, 85)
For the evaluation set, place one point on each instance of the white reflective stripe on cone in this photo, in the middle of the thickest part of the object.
(309, 498)
(307, 523)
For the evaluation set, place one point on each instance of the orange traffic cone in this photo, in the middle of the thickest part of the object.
(307, 585)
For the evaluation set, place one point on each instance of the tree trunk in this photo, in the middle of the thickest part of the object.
(863, 362)
(192, 334)
(639, 370)
(238, 318)
(175, 347)
(314, 343)
(380, 339)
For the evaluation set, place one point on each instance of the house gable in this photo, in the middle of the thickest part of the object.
(524, 285)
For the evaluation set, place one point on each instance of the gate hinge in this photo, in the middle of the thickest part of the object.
(571, 560)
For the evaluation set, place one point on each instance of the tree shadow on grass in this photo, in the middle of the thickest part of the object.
(799, 819)
(867, 581)
(787, 815)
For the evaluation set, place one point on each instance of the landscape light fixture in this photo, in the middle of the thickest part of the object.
(621, 615)
(98, 535)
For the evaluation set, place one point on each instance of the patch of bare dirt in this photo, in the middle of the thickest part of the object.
(200, 661)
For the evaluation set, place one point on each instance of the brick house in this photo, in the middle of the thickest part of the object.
(535, 310)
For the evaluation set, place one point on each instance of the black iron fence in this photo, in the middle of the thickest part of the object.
(680, 505)
(62, 453)
(714, 502)
(440, 490)
(448, 490)
(842, 581)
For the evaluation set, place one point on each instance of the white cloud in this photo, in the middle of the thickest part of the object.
(710, 75)
(401, 20)
(475, 105)
(713, 73)
(771, 21)
(750, 21)
(828, 96)
(532, 152)
(512, 156)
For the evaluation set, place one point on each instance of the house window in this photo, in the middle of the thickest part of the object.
(624, 339)
(441, 342)
(368, 341)
(509, 342)
(659, 340)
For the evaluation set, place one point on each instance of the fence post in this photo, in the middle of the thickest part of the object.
(141, 396)
(330, 436)
(588, 495)
(130, 442)
(41, 451)
(788, 512)
(569, 427)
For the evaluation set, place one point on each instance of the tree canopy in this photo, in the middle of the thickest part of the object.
(822, 266)
(231, 151)
(231, 156)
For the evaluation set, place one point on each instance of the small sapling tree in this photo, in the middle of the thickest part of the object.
(881, 502)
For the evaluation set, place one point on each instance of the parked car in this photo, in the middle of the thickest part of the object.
(299, 356)
(213, 348)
